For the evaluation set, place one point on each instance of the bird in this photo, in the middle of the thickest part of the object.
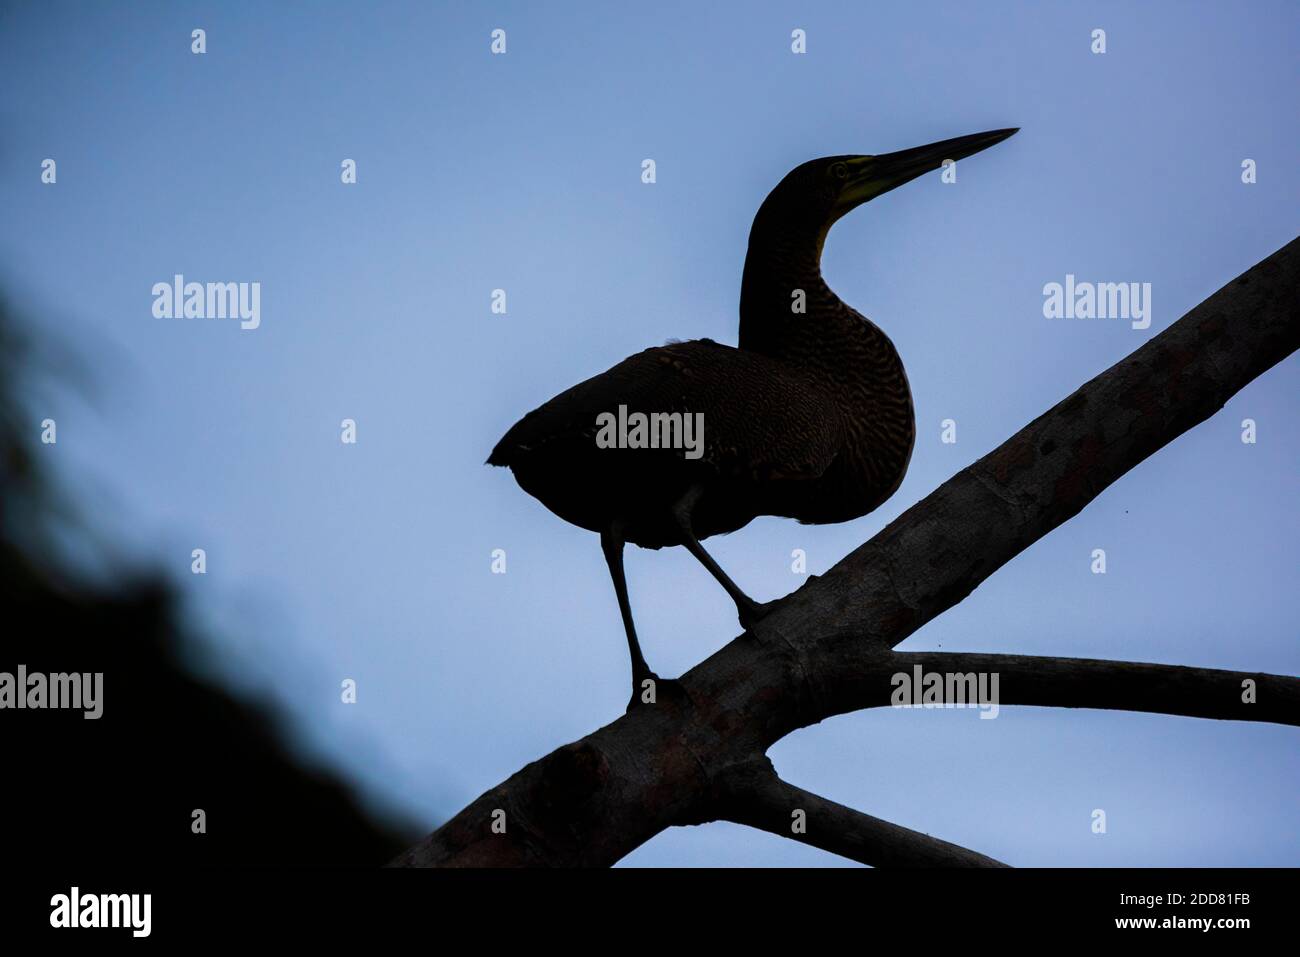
(808, 417)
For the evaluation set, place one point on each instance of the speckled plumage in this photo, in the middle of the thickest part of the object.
(768, 432)
(810, 418)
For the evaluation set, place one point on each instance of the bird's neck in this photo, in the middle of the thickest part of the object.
(787, 311)
(782, 293)
(840, 348)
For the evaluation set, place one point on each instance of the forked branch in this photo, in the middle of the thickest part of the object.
(826, 649)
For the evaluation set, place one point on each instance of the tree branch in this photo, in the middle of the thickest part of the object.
(1121, 685)
(821, 650)
(760, 799)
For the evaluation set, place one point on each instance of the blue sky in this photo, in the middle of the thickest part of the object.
(522, 172)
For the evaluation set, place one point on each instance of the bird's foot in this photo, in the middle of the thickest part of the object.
(752, 612)
(649, 690)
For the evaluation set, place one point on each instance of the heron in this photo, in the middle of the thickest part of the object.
(808, 417)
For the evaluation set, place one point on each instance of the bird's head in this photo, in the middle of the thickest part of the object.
(817, 193)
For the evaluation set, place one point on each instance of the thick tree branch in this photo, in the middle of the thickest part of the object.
(821, 650)
(760, 799)
(1121, 685)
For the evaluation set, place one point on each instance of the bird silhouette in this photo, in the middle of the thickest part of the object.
(809, 418)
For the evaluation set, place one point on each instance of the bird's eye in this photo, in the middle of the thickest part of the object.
(840, 171)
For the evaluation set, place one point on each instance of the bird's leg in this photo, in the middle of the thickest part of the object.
(749, 611)
(611, 542)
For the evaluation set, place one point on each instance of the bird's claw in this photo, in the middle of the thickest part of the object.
(649, 690)
(752, 613)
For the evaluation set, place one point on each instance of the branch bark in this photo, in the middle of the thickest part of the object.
(1122, 685)
(823, 650)
(758, 798)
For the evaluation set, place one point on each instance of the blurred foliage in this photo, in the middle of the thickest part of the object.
(121, 789)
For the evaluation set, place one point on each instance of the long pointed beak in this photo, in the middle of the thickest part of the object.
(880, 174)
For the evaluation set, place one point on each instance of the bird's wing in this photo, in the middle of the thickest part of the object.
(761, 418)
